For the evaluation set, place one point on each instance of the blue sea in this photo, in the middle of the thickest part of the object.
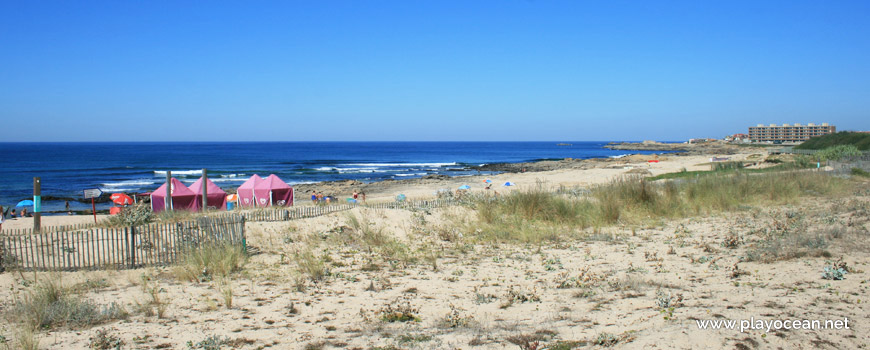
(66, 169)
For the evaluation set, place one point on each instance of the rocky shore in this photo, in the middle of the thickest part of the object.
(710, 147)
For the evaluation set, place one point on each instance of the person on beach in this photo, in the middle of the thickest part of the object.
(12, 215)
(2, 217)
(362, 196)
(355, 195)
(66, 207)
(314, 196)
(24, 213)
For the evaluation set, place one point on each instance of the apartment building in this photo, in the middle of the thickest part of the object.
(788, 132)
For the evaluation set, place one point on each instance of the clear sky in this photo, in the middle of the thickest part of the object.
(427, 70)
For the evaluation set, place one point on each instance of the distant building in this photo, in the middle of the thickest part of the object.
(737, 138)
(789, 133)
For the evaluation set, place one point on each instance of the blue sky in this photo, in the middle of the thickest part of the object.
(427, 70)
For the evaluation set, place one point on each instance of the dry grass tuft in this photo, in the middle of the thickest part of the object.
(210, 261)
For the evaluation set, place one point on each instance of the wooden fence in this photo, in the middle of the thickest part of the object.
(68, 248)
(47, 229)
(286, 214)
(128, 247)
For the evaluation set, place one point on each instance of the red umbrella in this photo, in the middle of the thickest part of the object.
(121, 199)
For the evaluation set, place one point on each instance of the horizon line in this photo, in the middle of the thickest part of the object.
(333, 141)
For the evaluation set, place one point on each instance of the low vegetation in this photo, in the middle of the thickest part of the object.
(861, 141)
(838, 152)
(211, 261)
(49, 304)
(538, 215)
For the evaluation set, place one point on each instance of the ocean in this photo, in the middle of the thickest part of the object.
(66, 169)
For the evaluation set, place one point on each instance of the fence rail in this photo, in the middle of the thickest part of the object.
(286, 214)
(127, 247)
(46, 229)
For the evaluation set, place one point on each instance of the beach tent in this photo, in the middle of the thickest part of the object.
(464, 187)
(217, 198)
(508, 183)
(273, 191)
(182, 197)
(246, 191)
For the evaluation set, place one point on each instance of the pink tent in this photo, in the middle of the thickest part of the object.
(217, 198)
(246, 191)
(273, 191)
(182, 197)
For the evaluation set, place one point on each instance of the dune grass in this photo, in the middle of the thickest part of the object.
(49, 304)
(537, 215)
(211, 261)
(800, 162)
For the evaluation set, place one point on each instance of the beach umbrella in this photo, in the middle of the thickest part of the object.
(121, 199)
(464, 187)
(508, 183)
(487, 181)
(24, 203)
(233, 197)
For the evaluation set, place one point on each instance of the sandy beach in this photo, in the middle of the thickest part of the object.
(621, 286)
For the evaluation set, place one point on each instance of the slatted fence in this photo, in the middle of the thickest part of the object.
(84, 247)
(46, 229)
(286, 214)
(118, 248)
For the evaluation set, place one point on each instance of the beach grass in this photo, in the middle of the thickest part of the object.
(211, 261)
(49, 304)
(537, 215)
(798, 163)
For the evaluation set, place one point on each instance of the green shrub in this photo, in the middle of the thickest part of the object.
(136, 215)
(860, 172)
(213, 342)
(105, 340)
(859, 140)
(838, 152)
(728, 166)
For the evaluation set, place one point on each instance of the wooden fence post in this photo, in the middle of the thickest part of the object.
(131, 245)
(244, 240)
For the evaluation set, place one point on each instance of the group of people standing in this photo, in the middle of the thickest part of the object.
(318, 197)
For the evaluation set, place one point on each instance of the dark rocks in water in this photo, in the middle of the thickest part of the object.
(543, 165)
(501, 167)
(436, 177)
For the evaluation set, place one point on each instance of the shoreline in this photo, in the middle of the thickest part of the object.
(525, 169)
(565, 172)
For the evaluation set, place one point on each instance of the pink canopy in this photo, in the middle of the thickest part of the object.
(273, 191)
(246, 191)
(182, 197)
(217, 198)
